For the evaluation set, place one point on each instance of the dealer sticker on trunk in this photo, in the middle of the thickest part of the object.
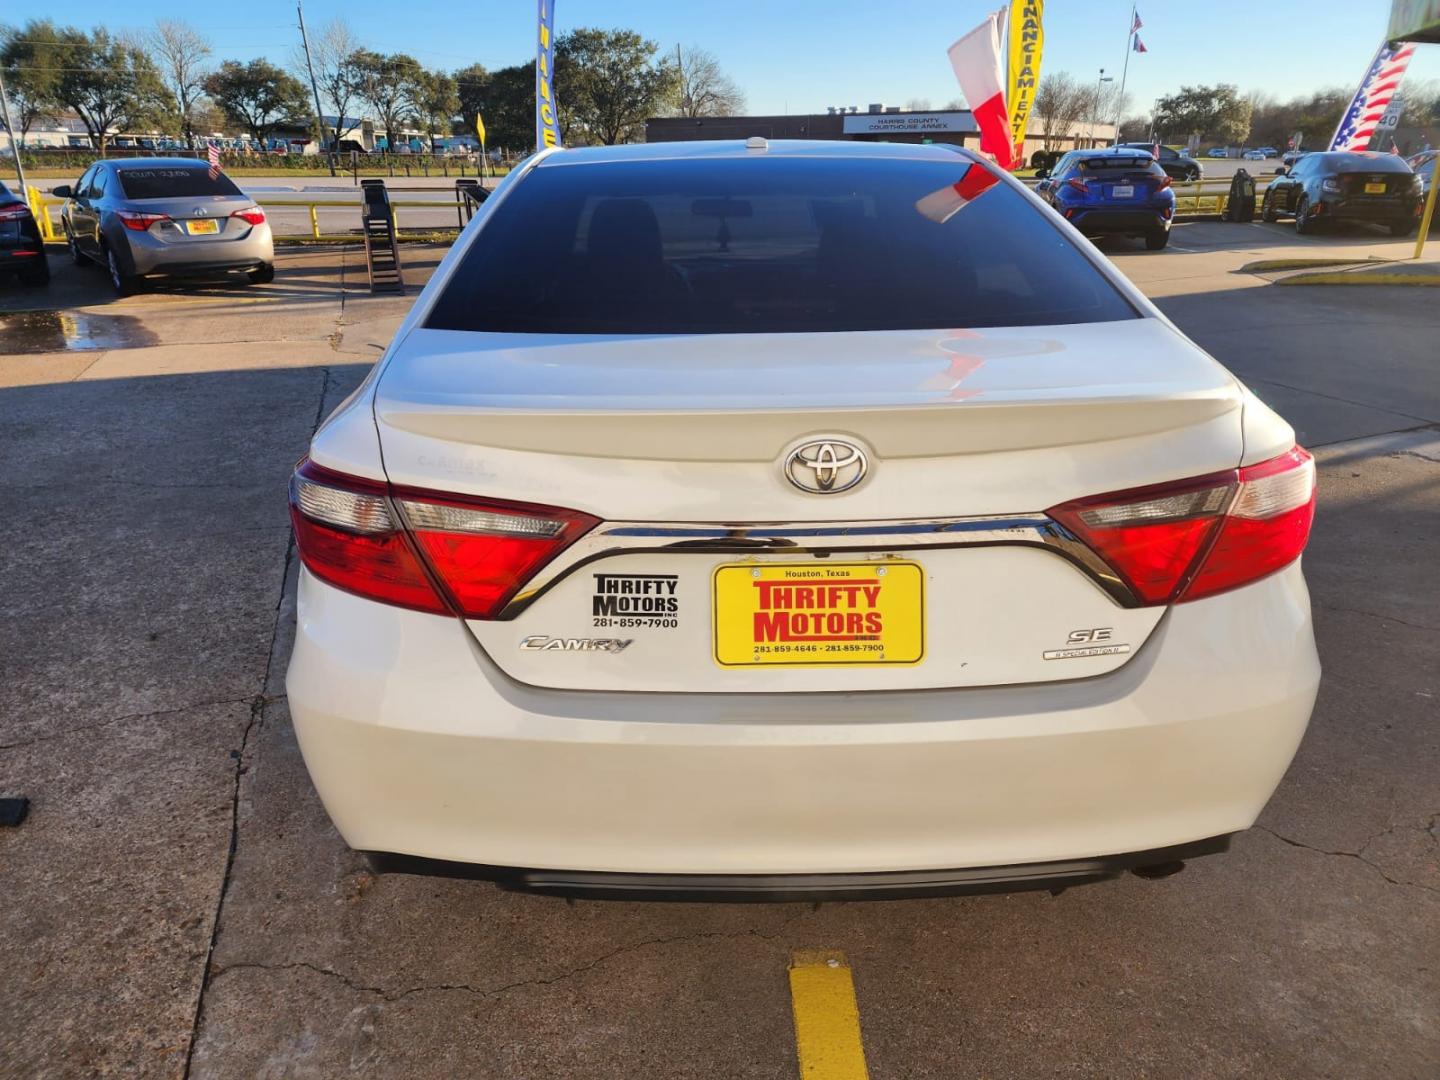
(819, 613)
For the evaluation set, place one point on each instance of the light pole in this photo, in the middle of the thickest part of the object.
(1095, 105)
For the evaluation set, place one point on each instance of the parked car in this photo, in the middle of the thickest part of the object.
(794, 619)
(1176, 165)
(1114, 191)
(1292, 156)
(1269, 151)
(1218, 152)
(167, 217)
(22, 248)
(1253, 155)
(1335, 186)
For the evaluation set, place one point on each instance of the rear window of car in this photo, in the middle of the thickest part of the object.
(756, 245)
(163, 183)
(1122, 164)
(1374, 163)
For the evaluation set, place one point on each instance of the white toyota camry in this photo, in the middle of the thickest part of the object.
(794, 519)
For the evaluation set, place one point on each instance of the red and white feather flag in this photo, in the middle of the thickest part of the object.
(976, 60)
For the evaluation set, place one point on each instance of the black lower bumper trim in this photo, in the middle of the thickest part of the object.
(773, 888)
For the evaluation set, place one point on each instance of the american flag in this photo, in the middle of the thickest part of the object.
(1378, 87)
(212, 151)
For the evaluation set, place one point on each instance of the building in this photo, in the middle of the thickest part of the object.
(877, 124)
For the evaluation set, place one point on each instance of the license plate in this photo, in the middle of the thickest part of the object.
(1123, 191)
(1374, 188)
(202, 227)
(819, 613)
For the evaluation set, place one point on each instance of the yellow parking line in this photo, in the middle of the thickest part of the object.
(827, 1020)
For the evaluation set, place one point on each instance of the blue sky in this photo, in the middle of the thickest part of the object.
(802, 55)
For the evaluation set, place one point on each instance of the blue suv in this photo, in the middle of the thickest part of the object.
(1110, 191)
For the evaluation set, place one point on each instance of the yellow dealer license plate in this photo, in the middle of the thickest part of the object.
(1375, 189)
(202, 227)
(819, 613)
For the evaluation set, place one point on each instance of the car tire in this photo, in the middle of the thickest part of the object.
(123, 283)
(1193, 174)
(37, 276)
(262, 274)
(1267, 209)
(1403, 228)
(1156, 239)
(76, 255)
(1304, 225)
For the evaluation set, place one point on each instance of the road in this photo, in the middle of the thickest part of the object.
(179, 903)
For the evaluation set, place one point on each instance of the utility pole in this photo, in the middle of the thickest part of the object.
(314, 88)
(14, 146)
(1095, 106)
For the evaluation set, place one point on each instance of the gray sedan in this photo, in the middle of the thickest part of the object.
(167, 217)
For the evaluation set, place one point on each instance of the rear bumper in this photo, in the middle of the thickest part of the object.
(420, 746)
(1382, 211)
(771, 888)
(1138, 220)
(150, 256)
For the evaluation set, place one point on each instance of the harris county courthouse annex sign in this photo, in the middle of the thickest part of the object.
(917, 123)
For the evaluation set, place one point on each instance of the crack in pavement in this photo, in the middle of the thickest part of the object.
(1358, 856)
(390, 995)
(257, 721)
(1376, 615)
(121, 719)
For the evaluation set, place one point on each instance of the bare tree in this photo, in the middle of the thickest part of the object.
(705, 90)
(918, 104)
(331, 51)
(1060, 104)
(180, 53)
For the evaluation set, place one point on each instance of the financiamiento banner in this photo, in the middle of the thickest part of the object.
(1026, 40)
(547, 124)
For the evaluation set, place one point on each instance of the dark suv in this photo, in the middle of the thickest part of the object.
(1361, 186)
(1176, 165)
(21, 247)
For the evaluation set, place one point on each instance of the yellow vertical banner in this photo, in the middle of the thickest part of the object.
(1025, 40)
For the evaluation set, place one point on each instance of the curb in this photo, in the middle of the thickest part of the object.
(1351, 277)
(1261, 266)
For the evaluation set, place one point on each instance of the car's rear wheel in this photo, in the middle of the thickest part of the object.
(262, 274)
(1303, 222)
(123, 283)
(1404, 227)
(1156, 239)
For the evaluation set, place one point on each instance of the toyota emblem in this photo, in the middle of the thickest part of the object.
(826, 466)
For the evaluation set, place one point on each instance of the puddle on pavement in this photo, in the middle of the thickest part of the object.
(69, 331)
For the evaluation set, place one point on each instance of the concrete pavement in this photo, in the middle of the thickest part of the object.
(178, 901)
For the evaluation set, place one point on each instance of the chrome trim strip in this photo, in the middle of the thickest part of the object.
(822, 538)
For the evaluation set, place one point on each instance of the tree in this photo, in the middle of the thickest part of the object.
(702, 88)
(391, 85)
(472, 84)
(507, 101)
(437, 103)
(1135, 128)
(1060, 104)
(1272, 122)
(258, 96)
(608, 83)
(330, 53)
(918, 104)
(180, 53)
(1215, 112)
(32, 77)
(109, 83)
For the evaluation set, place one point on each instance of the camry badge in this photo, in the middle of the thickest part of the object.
(826, 466)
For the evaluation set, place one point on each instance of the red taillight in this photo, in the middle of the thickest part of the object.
(251, 214)
(14, 211)
(1193, 538)
(138, 221)
(1079, 185)
(447, 554)
(1166, 182)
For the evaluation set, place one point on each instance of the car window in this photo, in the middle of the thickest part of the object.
(1063, 164)
(1115, 164)
(160, 182)
(98, 183)
(736, 245)
(82, 186)
(1167, 154)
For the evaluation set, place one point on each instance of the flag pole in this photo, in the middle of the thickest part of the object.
(1125, 70)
